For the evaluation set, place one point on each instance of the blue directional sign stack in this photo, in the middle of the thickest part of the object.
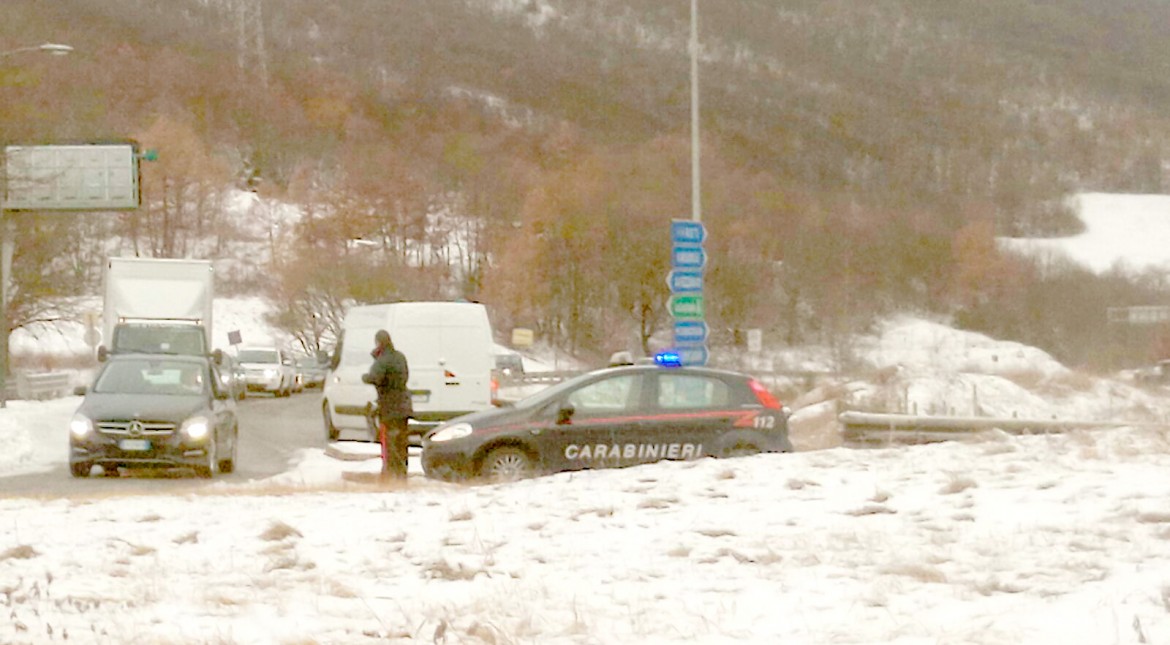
(685, 280)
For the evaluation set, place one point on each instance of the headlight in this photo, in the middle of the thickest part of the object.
(80, 425)
(270, 373)
(457, 431)
(196, 427)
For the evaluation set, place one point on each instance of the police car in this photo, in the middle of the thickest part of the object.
(615, 417)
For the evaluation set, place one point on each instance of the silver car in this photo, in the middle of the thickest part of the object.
(268, 369)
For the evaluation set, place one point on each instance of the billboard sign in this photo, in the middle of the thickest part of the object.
(81, 177)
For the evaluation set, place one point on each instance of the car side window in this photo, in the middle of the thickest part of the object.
(607, 396)
(691, 391)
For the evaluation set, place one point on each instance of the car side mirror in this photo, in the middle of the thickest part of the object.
(80, 390)
(102, 353)
(217, 356)
(565, 414)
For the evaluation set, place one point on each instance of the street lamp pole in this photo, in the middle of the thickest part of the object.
(696, 205)
(8, 234)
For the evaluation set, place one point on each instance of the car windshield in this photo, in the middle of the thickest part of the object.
(258, 356)
(151, 376)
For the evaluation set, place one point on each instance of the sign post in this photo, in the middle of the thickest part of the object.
(687, 259)
(99, 176)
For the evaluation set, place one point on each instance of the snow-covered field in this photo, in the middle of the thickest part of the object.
(1061, 539)
(1005, 540)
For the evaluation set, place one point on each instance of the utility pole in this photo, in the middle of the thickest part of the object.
(8, 234)
(696, 204)
(251, 54)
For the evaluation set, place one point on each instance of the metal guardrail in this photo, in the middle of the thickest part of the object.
(44, 385)
(873, 428)
(537, 378)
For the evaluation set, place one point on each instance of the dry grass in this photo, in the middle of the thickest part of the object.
(279, 531)
(958, 484)
(187, 538)
(871, 509)
(138, 549)
(22, 552)
(919, 572)
(716, 533)
(657, 503)
(599, 512)
(800, 484)
(444, 570)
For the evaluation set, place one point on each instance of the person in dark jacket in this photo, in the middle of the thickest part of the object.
(388, 375)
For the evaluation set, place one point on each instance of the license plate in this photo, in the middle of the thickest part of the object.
(134, 444)
(420, 398)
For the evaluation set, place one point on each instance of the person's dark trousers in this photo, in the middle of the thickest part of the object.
(393, 437)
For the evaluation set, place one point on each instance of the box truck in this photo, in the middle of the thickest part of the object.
(157, 306)
(448, 348)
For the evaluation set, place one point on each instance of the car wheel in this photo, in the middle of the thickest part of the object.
(741, 450)
(207, 469)
(228, 465)
(506, 464)
(111, 471)
(331, 431)
(80, 469)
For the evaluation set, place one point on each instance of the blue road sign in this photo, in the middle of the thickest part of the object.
(689, 332)
(687, 257)
(683, 281)
(684, 231)
(696, 355)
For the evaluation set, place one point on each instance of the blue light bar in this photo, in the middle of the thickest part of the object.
(668, 358)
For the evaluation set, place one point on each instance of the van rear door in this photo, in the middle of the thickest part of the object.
(450, 366)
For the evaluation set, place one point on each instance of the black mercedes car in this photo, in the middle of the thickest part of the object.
(155, 411)
(613, 417)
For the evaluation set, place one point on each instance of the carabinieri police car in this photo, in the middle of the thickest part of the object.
(613, 417)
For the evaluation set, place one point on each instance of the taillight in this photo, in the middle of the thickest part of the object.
(763, 395)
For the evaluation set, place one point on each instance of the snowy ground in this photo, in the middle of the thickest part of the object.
(1061, 539)
(1005, 540)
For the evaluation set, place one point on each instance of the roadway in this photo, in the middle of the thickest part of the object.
(272, 432)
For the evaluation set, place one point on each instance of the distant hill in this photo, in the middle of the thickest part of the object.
(1127, 232)
(858, 158)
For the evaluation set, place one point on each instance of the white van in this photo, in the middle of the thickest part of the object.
(448, 347)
